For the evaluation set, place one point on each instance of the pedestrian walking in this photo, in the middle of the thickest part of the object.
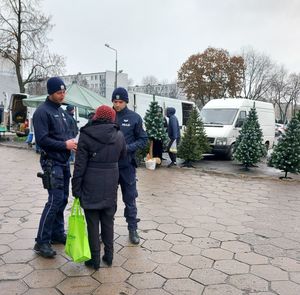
(73, 128)
(53, 137)
(131, 125)
(173, 133)
(95, 179)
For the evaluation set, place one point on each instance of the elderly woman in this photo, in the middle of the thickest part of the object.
(95, 179)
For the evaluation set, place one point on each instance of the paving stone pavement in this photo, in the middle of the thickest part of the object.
(202, 234)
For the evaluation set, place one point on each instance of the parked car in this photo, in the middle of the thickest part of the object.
(279, 129)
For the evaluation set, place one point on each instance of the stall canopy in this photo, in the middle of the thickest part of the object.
(76, 95)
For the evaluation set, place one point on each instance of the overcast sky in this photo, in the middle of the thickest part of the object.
(154, 37)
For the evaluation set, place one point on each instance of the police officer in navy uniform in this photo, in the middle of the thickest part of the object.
(53, 136)
(131, 124)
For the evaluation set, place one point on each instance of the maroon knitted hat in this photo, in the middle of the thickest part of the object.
(106, 113)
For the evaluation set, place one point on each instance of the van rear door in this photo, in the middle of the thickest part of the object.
(18, 112)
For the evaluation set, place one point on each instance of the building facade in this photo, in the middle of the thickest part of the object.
(166, 90)
(100, 82)
(8, 82)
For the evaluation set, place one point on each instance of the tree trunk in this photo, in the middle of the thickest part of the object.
(20, 80)
(19, 48)
(151, 149)
(246, 168)
(285, 175)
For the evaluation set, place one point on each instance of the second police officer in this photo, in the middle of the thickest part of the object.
(131, 124)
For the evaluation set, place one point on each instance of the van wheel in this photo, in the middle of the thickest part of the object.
(229, 155)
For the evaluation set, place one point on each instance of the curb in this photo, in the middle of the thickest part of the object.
(235, 175)
(203, 170)
(15, 146)
(243, 176)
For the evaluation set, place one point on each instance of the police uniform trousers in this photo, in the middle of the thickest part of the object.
(51, 225)
(157, 148)
(106, 219)
(127, 181)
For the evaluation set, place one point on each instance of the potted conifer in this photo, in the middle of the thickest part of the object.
(249, 148)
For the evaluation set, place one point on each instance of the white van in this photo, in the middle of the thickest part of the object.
(18, 115)
(223, 119)
(140, 103)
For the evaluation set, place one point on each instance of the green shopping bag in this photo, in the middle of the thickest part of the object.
(77, 244)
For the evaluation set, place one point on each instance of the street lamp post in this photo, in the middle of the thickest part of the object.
(116, 70)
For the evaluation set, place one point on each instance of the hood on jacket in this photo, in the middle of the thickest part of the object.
(101, 132)
(170, 111)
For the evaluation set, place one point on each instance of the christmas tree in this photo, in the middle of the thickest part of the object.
(286, 154)
(298, 116)
(154, 123)
(194, 142)
(249, 148)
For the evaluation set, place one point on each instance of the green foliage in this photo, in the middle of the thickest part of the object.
(249, 148)
(154, 122)
(286, 154)
(194, 142)
(298, 116)
(19, 139)
(141, 154)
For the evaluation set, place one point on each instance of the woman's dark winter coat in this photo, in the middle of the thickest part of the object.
(96, 172)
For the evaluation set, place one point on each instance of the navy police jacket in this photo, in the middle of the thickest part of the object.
(51, 130)
(131, 125)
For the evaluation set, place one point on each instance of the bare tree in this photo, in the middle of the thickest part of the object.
(284, 92)
(80, 80)
(130, 82)
(23, 39)
(294, 80)
(176, 90)
(149, 80)
(278, 91)
(257, 75)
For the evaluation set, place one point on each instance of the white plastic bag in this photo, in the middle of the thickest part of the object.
(151, 164)
(173, 147)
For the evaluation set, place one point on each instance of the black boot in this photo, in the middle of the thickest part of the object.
(108, 258)
(171, 164)
(94, 262)
(61, 240)
(44, 250)
(134, 237)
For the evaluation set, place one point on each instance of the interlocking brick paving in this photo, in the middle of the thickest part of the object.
(201, 233)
